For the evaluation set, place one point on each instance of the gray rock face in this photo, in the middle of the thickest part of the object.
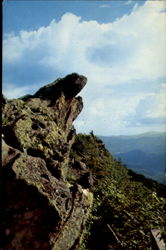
(41, 208)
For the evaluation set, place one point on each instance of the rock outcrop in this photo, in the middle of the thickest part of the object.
(41, 208)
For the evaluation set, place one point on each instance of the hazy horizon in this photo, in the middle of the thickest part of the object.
(144, 133)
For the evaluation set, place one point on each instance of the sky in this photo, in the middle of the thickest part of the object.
(120, 46)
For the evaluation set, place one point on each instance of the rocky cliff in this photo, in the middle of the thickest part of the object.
(42, 209)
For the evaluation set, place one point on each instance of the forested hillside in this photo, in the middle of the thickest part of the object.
(126, 205)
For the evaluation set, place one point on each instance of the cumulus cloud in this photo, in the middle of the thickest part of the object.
(131, 48)
(158, 103)
(126, 112)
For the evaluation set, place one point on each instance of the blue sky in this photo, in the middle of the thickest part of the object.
(118, 45)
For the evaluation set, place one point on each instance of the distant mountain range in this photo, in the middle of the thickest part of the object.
(143, 153)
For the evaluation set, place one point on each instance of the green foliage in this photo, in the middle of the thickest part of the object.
(128, 203)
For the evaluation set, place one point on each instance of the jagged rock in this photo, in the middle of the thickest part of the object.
(41, 208)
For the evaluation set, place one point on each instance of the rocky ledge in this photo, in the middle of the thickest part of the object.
(41, 208)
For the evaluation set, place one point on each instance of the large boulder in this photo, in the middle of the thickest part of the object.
(42, 209)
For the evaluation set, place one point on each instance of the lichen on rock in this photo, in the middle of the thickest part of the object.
(42, 209)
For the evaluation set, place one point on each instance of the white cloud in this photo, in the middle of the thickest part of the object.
(125, 112)
(158, 104)
(128, 49)
(108, 113)
(12, 49)
(138, 40)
